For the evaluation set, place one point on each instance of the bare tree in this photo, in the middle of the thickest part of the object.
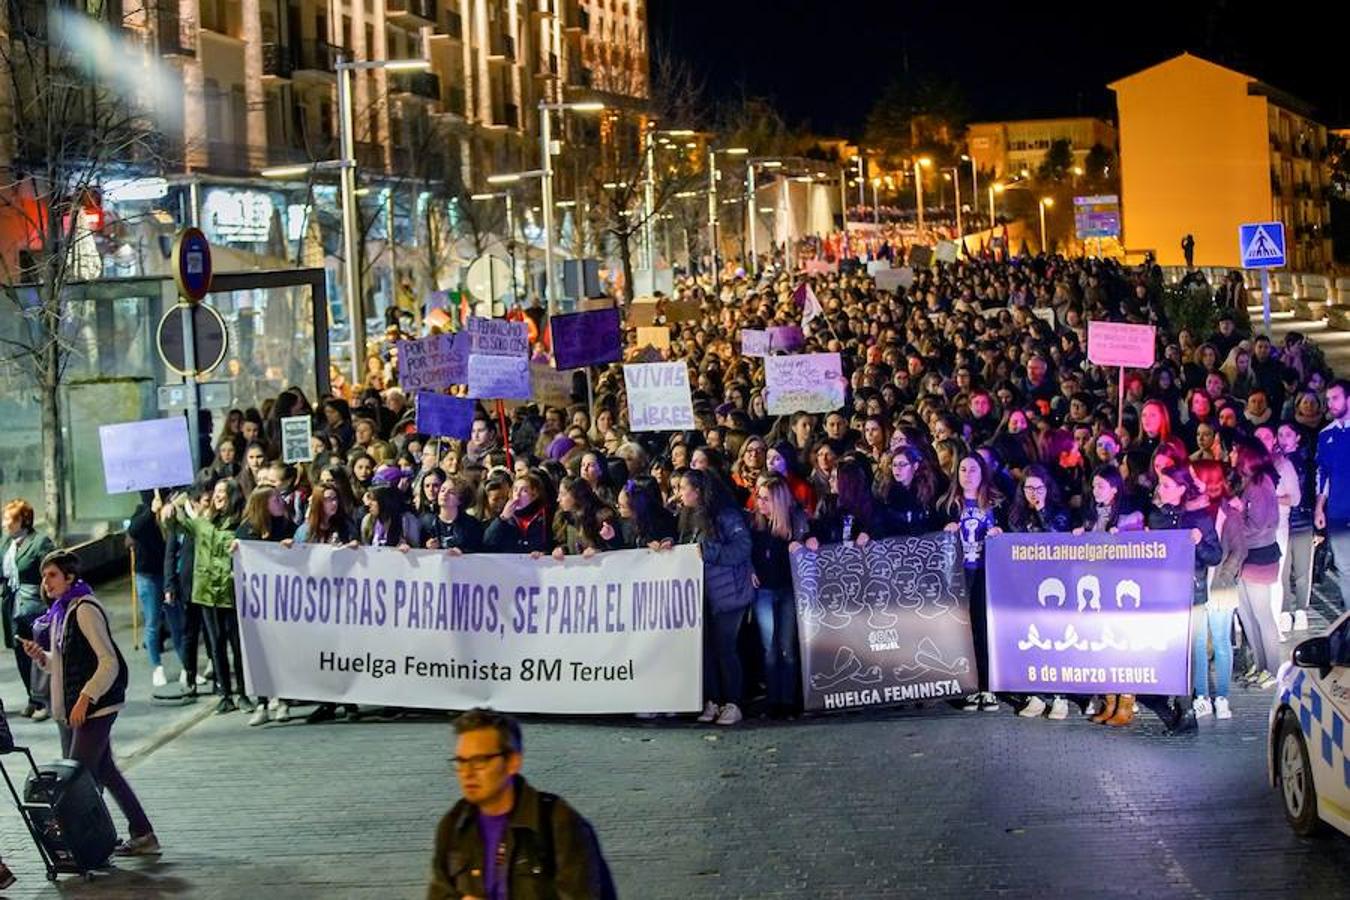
(70, 121)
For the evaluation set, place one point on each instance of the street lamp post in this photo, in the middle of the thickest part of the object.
(975, 189)
(920, 163)
(510, 232)
(546, 110)
(876, 205)
(862, 199)
(751, 205)
(712, 210)
(956, 183)
(1044, 204)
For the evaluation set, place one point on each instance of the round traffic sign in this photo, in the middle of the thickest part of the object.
(488, 279)
(209, 339)
(192, 264)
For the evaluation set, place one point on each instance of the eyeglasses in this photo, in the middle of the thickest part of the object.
(1034, 488)
(475, 763)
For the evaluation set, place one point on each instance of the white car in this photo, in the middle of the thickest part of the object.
(1307, 755)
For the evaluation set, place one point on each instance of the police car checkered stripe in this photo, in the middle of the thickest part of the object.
(1325, 738)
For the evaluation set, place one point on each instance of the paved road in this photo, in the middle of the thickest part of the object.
(935, 803)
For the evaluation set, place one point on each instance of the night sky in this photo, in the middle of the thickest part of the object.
(823, 62)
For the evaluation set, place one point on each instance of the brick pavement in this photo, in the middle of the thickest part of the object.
(935, 803)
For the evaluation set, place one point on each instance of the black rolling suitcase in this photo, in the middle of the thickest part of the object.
(64, 811)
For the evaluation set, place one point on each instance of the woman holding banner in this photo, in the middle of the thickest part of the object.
(777, 525)
(709, 519)
(584, 524)
(973, 509)
(266, 519)
(907, 488)
(1257, 508)
(523, 525)
(452, 528)
(643, 519)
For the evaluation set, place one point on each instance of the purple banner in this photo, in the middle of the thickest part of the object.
(441, 415)
(589, 338)
(786, 338)
(1096, 613)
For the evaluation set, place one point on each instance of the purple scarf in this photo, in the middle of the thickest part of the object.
(52, 622)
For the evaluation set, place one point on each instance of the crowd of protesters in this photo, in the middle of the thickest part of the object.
(971, 406)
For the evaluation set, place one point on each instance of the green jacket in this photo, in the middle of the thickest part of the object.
(577, 870)
(212, 564)
(28, 600)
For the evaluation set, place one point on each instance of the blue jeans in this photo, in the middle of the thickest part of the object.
(150, 589)
(776, 615)
(1216, 625)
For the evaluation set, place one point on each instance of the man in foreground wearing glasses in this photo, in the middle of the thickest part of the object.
(505, 840)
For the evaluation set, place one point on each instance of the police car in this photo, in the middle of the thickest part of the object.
(1308, 756)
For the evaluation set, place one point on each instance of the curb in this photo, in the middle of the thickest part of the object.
(163, 736)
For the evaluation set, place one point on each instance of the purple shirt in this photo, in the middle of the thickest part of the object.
(495, 877)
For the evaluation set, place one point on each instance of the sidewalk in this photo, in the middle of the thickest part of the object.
(143, 726)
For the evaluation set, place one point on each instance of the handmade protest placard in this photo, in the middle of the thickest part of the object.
(587, 338)
(885, 623)
(945, 252)
(682, 311)
(1090, 614)
(550, 386)
(295, 439)
(754, 342)
(643, 311)
(138, 456)
(803, 382)
(499, 377)
(786, 338)
(620, 632)
(441, 415)
(658, 396)
(1119, 344)
(920, 257)
(877, 265)
(497, 337)
(657, 336)
(432, 363)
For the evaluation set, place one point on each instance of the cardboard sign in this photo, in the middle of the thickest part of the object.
(587, 338)
(920, 257)
(803, 382)
(657, 336)
(946, 251)
(754, 342)
(139, 456)
(658, 396)
(786, 338)
(895, 279)
(820, 267)
(551, 387)
(878, 265)
(497, 337)
(499, 377)
(295, 436)
(683, 311)
(432, 363)
(1118, 344)
(441, 415)
(642, 312)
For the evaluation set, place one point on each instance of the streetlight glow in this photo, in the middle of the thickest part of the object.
(286, 171)
(1048, 201)
(925, 161)
(735, 151)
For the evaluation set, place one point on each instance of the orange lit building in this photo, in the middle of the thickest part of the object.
(1204, 148)
(1008, 148)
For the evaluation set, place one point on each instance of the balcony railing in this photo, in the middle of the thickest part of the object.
(411, 12)
(315, 56)
(420, 84)
(276, 61)
(170, 37)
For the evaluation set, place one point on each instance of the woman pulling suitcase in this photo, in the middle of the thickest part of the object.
(89, 679)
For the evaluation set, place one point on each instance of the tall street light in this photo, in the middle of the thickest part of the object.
(647, 255)
(995, 188)
(920, 163)
(1044, 204)
(956, 183)
(876, 205)
(862, 199)
(975, 188)
(751, 204)
(712, 208)
(546, 110)
(510, 234)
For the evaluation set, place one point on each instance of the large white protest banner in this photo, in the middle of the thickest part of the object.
(658, 396)
(138, 456)
(620, 632)
(803, 382)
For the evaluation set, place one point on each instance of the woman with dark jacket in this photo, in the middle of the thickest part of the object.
(643, 519)
(21, 553)
(849, 513)
(710, 519)
(908, 489)
(147, 544)
(1177, 507)
(523, 526)
(452, 528)
(776, 526)
(89, 685)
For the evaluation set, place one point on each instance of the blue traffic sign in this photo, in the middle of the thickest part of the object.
(1261, 245)
(192, 264)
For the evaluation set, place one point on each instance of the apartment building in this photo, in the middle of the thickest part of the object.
(1008, 148)
(1204, 148)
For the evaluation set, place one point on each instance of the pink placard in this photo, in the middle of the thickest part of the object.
(1118, 344)
(820, 267)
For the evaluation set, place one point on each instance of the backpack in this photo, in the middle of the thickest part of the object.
(547, 803)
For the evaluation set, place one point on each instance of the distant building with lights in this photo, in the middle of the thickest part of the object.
(1204, 148)
(1008, 148)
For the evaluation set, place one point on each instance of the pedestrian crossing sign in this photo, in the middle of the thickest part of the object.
(1261, 245)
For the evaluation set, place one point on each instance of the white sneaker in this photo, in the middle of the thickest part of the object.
(988, 702)
(730, 715)
(182, 678)
(1301, 620)
(1034, 708)
(259, 716)
(1221, 710)
(157, 677)
(282, 712)
(202, 679)
(710, 712)
(1285, 622)
(1092, 708)
(1059, 709)
(972, 703)
(1200, 706)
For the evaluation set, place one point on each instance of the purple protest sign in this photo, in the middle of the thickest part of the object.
(786, 338)
(590, 338)
(1089, 614)
(432, 362)
(441, 415)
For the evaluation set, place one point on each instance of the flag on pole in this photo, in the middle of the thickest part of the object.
(811, 308)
